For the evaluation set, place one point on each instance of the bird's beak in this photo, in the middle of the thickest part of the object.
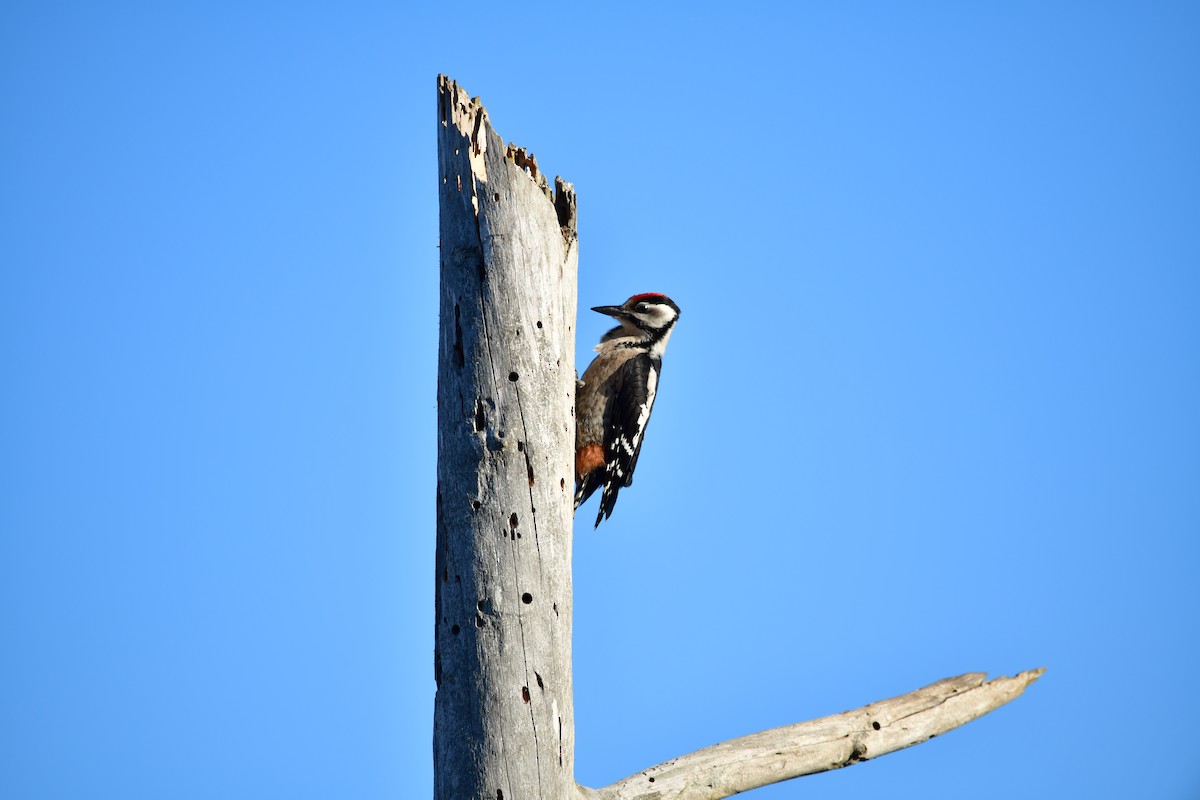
(612, 311)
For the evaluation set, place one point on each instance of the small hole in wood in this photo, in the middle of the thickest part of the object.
(652, 779)
(539, 324)
(539, 680)
(454, 629)
(875, 725)
(525, 693)
(481, 605)
(527, 598)
(512, 376)
(520, 447)
(459, 356)
(475, 504)
(479, 622)
(562, 484)
(496, 197)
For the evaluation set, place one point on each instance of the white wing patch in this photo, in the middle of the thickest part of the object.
(644, 415)
(622, 442)
(624, 435)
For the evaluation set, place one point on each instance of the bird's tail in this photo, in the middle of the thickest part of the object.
(585, 486)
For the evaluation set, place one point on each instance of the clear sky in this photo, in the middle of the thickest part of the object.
(933, 405)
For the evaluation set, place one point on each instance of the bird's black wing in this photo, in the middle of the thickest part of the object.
(636, 383)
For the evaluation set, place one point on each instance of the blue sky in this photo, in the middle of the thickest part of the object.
(931, 407)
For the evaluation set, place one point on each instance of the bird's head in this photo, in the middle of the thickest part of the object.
(645, 317)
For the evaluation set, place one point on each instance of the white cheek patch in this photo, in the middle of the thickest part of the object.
(657, 315)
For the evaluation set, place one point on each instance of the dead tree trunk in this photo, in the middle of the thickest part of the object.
(504, 711)
(503, 716)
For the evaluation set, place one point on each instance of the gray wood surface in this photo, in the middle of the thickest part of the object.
(503, 719)
(820, 745)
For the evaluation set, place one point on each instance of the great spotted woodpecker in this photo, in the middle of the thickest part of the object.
(616, 394)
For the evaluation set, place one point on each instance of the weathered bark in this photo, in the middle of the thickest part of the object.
(504, 709)
(503, 718)
(806, 748)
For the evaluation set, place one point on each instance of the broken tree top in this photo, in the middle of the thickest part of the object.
(459, 111)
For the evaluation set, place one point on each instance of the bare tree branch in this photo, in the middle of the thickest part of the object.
(823, 744)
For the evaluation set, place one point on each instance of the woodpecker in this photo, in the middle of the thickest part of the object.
(616, 394)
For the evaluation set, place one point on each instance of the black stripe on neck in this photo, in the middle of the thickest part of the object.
(654, 335)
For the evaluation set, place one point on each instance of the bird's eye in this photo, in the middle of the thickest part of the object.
(643, 307)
